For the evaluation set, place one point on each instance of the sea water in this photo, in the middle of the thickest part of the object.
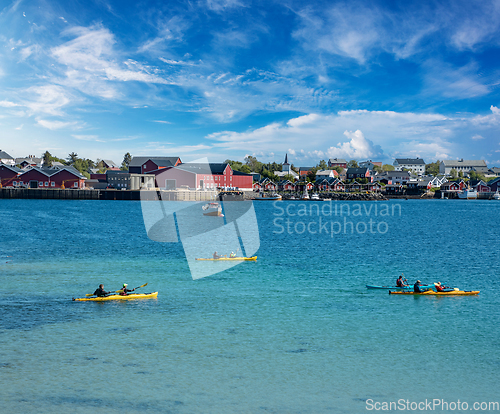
(294, 332)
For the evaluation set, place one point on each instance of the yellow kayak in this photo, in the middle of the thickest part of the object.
(431, 292)
(248, 259)
(130, 296)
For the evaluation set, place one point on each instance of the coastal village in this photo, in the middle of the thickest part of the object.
(406, 177)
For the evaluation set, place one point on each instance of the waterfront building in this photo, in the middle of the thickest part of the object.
(8, 174)
(201, 176)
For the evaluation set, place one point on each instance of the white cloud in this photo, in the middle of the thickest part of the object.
(49, 99)
(477, 137)
(356, 148)
(20, 127)
(92, 63)
(54, 125)
(8, 104)
(93, 138)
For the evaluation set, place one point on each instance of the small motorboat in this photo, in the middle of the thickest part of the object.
(212, 209)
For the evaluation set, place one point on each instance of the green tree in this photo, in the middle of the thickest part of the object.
(245, 169)
(127, 159)
(311, 175)
(453, 174)
(323, 165)
(72, 157)
(377, 169)
(432, 168)
(474, 175)
(254, 164)
(47, 159)
(338, 168)
(352, 164)
(388, 167)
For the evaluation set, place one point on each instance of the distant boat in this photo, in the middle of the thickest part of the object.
(496, 196)
(212, 209)
(468, 194)
(305, 194)
(270, 197)
(315, 197)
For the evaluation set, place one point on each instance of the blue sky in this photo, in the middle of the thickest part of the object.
(229, 78)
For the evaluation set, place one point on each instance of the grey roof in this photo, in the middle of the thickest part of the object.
(480, 169)
(389, 174)
(353, 170)
(46, 171)
(161, 161)
(30, 160)
(462, 162)
(5, 156)
(337, 161)
(411, 161)
(11, 167)
(110, 163)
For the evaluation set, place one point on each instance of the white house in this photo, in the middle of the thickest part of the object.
(326, 173)
(461, 165)
(415, 165)
(6, 159)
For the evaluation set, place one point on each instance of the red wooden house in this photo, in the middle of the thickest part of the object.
(453, 186)
(35, 177)
(286, 185)
(8, 174)
(199, 176)
(480, 186)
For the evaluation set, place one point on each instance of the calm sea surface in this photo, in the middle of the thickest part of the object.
(294, 332)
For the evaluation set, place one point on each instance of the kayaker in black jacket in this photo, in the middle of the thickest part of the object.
(417, 288)
(100, 291)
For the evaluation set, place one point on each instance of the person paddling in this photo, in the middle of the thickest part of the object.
(124, 290)
(417, 287)
(216, 256)
(99, 292)
(400, 282)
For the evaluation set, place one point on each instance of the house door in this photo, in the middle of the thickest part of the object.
(33, 184)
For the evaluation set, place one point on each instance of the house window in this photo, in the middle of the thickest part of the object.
(52, 184)
(75, 184)
(40, 184)
(14, 183)
(46, 183)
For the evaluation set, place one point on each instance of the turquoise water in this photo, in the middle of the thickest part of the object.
(294, 332)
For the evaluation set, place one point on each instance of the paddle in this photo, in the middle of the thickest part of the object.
(121, 290)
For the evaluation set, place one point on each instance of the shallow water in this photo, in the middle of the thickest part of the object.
(294, 332)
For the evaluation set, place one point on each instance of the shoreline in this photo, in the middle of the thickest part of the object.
(154, 195)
